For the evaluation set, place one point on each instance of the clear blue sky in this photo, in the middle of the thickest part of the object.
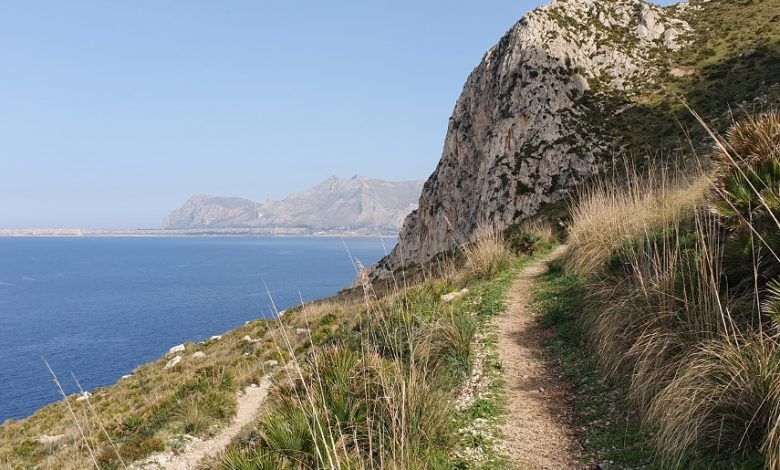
(113, 113)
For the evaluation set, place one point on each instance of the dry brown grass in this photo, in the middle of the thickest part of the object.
(699, 366)
(616, 210)
(701, 357)
(487, 255)
(724, 397)
(541, 229)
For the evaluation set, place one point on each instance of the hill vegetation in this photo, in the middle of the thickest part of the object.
(681, 273)
(670, 289)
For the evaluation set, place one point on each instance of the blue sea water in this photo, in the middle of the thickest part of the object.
(99, 307)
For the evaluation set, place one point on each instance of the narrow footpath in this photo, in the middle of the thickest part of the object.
(248, 409)
(536, 433)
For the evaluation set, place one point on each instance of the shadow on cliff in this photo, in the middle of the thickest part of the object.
(658, 123)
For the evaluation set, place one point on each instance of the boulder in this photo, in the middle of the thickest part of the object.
(173, 362)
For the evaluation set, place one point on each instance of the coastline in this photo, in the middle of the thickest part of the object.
(226, 232)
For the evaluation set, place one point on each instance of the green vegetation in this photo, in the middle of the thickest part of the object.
(692, 332)
(611, 431)
(391, 387)
(728, 70)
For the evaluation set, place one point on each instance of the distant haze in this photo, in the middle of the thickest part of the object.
(114, 112)
(336, 203)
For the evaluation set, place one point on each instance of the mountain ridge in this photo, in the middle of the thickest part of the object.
(359, 202)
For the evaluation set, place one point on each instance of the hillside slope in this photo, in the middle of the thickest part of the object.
(573, 85)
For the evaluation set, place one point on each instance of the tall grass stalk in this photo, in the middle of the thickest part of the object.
(619, 208)
(697, 346)
(487, 255)
(72, 414)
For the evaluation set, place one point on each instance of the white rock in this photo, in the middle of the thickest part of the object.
(216, 337)
(198, 354)
(84, 396)
(176, 349)
(454, 295)
(172, 363)
(650, 27)
(46, 439)
(126, 376)
(677, 72)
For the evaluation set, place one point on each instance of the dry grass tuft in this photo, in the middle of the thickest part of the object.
(541, 230)
(607, 214)
(487, 255)
(693, 331)
(724, 399)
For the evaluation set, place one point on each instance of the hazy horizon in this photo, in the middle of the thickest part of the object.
(117, 113)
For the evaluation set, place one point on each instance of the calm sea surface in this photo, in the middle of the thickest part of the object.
(99, 307)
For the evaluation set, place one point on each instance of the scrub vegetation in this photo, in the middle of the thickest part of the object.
(681, 273)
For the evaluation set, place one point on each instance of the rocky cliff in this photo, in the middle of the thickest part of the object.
(336, 203)
(550, 106)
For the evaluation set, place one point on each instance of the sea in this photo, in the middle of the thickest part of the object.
(98, 307)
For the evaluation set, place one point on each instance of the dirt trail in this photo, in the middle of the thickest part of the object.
(535, 432)
(196, 451)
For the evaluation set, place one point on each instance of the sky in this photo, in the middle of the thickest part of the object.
(114, 113)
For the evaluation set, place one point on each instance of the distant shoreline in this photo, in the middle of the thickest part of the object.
(221, 232)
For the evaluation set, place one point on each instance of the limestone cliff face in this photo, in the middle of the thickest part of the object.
(520, 135)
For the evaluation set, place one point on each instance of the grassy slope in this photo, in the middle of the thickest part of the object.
(154, 408)
(151, 409)
(455, 425)
(731, 65)
(611, 427)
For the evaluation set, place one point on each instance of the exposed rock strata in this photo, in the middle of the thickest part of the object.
(519, 136)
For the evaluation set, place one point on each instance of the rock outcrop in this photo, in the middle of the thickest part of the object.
(357, 202)
(204, 211)
(522, 132)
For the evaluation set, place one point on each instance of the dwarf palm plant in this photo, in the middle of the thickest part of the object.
(747, 198)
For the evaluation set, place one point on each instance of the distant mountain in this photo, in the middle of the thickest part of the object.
(204, 211)
(335, 204)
